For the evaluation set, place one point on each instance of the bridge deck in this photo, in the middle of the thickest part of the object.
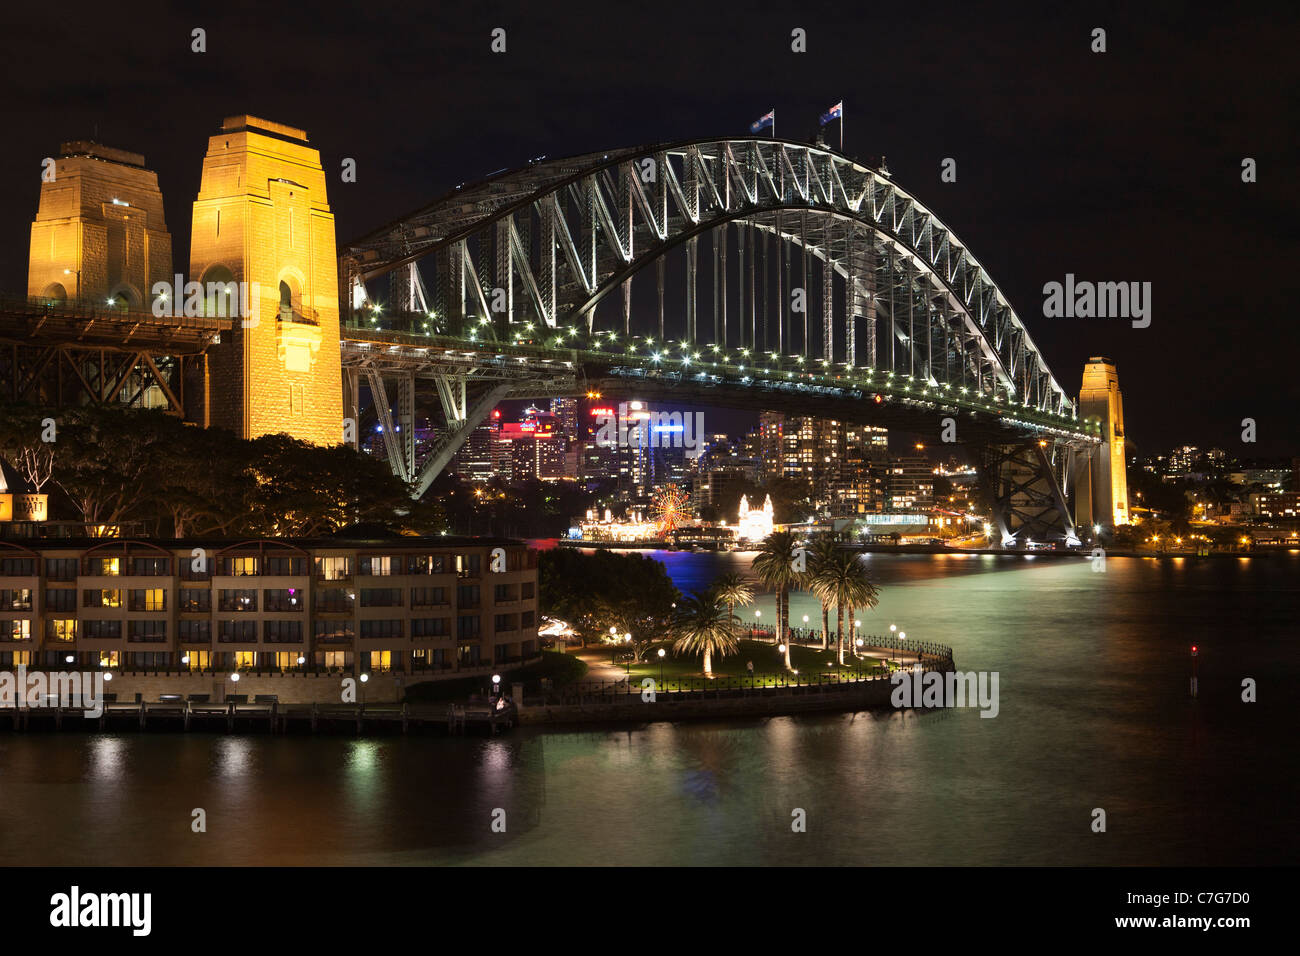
(32, 322)
(782, 384)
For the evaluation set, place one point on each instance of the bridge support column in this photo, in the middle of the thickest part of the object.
(659, 277)
(388, 426)
(1019, 485)
(692, 266)
(262, 219)
(740, 284)
(352, 403)
(720, 336)
(455, 435)
(828, 304)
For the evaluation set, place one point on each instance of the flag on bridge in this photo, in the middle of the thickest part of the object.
(763, 122)
(834, 113)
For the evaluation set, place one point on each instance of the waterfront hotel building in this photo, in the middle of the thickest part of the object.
(425, 607)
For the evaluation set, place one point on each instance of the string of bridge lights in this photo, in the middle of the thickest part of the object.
(604, 342)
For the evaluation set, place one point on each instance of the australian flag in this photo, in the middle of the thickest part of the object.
(834, 113)
(763, 122)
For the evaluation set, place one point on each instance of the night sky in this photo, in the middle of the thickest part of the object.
(1122, 166)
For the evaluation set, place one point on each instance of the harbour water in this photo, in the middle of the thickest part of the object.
(1095, 712)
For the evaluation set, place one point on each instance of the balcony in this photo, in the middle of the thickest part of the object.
(297, 341)
(333, 639)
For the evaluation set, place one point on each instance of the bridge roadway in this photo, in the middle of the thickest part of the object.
(26, 321)
(57, 354)
(537, 369)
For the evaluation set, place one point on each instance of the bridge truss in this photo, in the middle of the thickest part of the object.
(58, 354)
(783, 260)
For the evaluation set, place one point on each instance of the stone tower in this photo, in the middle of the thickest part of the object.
(262, 221)
(99, 231)
(1101, 485)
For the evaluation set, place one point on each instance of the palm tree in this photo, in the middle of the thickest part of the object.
(703, 625)
(734, 590)
(844, 582)
(775, 566)
(824, 550)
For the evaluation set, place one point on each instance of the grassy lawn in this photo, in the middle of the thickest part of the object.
(769, 666)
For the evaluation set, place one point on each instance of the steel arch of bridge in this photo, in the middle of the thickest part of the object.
(548, 242)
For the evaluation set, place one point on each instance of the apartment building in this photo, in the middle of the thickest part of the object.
(422, 606)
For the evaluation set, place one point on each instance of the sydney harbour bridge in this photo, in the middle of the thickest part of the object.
(749, 272)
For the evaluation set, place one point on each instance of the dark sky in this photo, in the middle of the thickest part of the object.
(1116, 166)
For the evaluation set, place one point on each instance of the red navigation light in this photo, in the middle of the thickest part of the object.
(1193, 650)
(878, 398)
(496, 414)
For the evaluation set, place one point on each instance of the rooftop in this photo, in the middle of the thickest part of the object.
(86, 147)
(244, 121)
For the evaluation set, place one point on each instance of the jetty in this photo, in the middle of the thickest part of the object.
(264, 713)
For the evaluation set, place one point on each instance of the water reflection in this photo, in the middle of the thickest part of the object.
(1094, 712)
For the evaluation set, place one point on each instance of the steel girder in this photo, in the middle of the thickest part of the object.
(66, 373)
(547, 243)
(453, 437)
(1021, 485)
(466, 386)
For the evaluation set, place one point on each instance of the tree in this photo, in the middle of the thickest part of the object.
(307, 491)
(593, 592)
(702, 625)
(775, 567)
(213, 500)
(103, 460)
(844, 582)
(734, 590)
(824, 550)
(21, 428)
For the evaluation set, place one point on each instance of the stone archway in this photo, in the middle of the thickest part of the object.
(220, 292)
(124, 298)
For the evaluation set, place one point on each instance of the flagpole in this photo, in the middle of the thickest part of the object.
(774, 124)
(841, 126)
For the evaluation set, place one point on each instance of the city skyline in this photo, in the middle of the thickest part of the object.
(1024, 249)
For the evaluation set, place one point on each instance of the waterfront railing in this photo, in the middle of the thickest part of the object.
(808, 636)
(850, 676)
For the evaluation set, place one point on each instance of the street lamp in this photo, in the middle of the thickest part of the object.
(902, 636)
(661, 666)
